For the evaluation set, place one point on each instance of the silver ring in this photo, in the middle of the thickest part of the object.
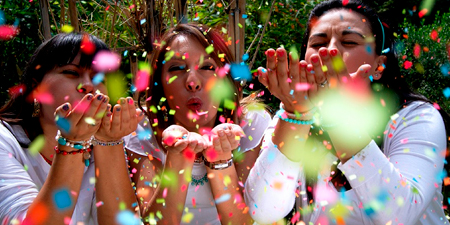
(323, 83)
(93, 124)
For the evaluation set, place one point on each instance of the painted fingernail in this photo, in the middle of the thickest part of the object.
(280, 53)
(303, 65)
(122, 101)
(105, 100)
(65, 107)
(315, 58)
(333, 52)
(89, 97)
(323, 52)
(108, 114)
(118, 109)
(130, 101)
(309, 68)
(99, 97)
(270, 53)
(220, 133)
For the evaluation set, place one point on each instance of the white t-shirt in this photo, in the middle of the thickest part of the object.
(254, 124)
(23, 174)
(399, 185)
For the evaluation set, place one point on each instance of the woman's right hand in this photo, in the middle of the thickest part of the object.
(82, 121)
(287, 81)
(176, 139)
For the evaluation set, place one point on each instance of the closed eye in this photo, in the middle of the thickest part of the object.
(349, 43)
(318, 45)
(176, 68)
(71, 72)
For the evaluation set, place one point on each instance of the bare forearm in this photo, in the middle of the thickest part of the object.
(170, 196)
(65, 178)
(290, 138)
(228, 195)
(113, 186)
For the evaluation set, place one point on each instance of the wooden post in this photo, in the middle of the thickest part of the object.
(73, 14)
(181, 11)
(237, 34)
(45, 19)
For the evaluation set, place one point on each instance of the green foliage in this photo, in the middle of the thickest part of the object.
(428, 56)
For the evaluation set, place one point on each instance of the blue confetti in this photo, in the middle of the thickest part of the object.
(385, 51)
(223, 198)
(62, 199)
(447, 92)
(291, 92)
(368, 49)
(98, 78)
(445, 69)
(125, 53)
(244, 16)
(144, 135)
(371, 78)
(126, 217)
(16, 22)
(271, 156)
(2, 17)
(245, 57)
(143, 21)
(63, 124)
(414, 179)
(240, 72)
(259, 26)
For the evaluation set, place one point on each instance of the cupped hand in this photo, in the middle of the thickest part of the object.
(176, 139)
(224, 138)
(123, 120)
(81, 122)
(287, 80)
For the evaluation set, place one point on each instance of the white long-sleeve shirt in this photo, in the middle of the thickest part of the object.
(22, 175)
(400, 184)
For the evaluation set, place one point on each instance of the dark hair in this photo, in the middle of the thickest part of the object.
(206, 37)
(57, 51)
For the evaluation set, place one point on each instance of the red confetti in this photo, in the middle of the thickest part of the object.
(87, 47)
(7, 32)
(417, 50)
(423, 12)
(17, 90)
(434, 35)
(407, 64)
(344, 2)
(189, 154)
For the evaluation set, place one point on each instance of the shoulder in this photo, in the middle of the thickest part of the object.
(8, 138)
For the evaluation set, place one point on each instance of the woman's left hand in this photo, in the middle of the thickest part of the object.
(121, 122)
(225, 138)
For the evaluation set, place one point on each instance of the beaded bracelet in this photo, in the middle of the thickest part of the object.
(281, 114)
(86, 153)
(73, 144)
(95, 142)
(298, 115)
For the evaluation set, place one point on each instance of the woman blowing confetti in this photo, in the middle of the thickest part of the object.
(51, 130)
(351, 144)
(186, 173)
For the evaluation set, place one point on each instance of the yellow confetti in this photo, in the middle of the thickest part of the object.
(67, 28)
(37, 145)
(187, 217)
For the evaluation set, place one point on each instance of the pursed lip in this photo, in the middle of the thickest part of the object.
(194, 104)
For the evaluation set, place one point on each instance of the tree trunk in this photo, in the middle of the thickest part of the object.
(181, 11)
(237, 34)
(73, 15)
(45, 19)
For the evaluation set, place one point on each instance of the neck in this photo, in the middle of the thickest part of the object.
(49, 132)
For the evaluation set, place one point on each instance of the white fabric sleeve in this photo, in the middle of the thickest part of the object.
(399, 184)
(272, 182)
(17, 189)
(254, 125)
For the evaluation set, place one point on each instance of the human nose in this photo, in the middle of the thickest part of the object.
(333, 44)
(86, 85)
(193, 82)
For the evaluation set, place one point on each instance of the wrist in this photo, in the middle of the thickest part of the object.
(219, 164)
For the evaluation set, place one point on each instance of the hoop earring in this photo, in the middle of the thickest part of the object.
(36, 108)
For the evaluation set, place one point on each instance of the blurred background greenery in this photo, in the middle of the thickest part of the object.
(131, 26)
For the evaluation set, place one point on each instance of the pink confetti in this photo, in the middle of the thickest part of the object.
(222, 72)
(250, 86)
(302, 86)
(142, 78)
(7, 32)
(407, 64)
(183, 187)
(44, 98)
(193, 202)
(98, 204)
(106, 61)
(436, 106)
(404, 141)
(164, 192)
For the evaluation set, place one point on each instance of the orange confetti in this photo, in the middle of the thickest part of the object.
(277, 185)
(219, 5)
(447, 181)
(359, 163)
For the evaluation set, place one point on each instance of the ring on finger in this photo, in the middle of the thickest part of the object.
(323, 84)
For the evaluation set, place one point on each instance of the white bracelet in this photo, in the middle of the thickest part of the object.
(298, 115)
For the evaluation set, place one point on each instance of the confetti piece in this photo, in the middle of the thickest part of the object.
(294, 52)
(433, 35)
(407, 64)
(63, 124)
(67, 28)
(106, 61)
(7, 32)
(37, 214)
(98, 204)
(445, 69)
(126, 217)
(223, 198)
(98, 78)
(240, 72)
(2, 17)
(37, 145)
(187, 217)
(416, 50)
(142, 79)
(229, 104)
(209, 49)
(172, 79)
(62, 199)
(87, 47)
(43, 97)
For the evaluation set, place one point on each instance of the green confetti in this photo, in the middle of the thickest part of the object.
(240, 25)
(229, 104)
(209, 49)
(122, 206)
(337, 63)
(117, 86)
(37, 145)
(169, 55)
(224, 30)
(172, 79)
(172, 112)
(294, 52)
(153, 109)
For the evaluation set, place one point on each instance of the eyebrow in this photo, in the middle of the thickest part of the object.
(344, 32)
